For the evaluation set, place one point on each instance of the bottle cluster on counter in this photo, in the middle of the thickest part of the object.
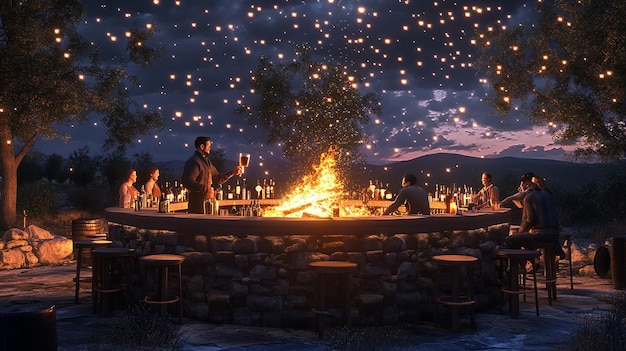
(462, 195)
(238, 189)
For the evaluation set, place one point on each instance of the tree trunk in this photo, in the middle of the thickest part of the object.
(8, 179)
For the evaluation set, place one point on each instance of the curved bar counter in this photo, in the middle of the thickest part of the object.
(262, 226)
(255, 270)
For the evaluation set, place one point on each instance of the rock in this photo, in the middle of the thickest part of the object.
(12, 259)
(52, 251)
(37, 233)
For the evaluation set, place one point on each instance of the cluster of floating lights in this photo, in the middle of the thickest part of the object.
(399, 46)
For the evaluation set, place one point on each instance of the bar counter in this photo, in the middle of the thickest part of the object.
(255, 270)
(238, 225)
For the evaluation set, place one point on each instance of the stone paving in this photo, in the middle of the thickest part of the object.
(79, 329)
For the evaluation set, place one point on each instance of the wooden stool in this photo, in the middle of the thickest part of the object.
(325, 269)
(105, 264)
(549, 260)
(566, 242)
(162, 263)
(512, 258)
(78, 249)
(455, 300)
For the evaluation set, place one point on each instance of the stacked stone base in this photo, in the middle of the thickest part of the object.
(265, 281)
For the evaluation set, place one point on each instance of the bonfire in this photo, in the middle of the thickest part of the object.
(317, 194)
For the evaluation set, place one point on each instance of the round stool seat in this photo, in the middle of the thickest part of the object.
(79, 246)
(518, 254)
(102, 282)
(92, 244)
(113, 252)
(340, 270)
(162, 263)
(515, 257)
(333, 267)
(454, 260)
(162, 260)
(456, 299)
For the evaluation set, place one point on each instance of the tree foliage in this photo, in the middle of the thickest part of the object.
(308, 106)
(567, 67)
(51, 76)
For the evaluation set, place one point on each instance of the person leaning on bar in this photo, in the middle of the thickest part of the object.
(199, 175)
(540, 220)
(413, 196)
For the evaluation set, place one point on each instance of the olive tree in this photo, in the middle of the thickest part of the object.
(51, 76)
(566, 66)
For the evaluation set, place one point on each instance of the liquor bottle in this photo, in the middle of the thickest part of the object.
(244, 190)
(143, 198)
(372, 190)
(229, 192)
(219, 194)
(271, 188)
(265, 189)
(382, 191)
(258, 188)
(237, 190)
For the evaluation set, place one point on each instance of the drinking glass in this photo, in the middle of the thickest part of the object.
(244, 161)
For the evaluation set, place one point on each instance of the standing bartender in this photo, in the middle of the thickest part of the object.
(199, 175)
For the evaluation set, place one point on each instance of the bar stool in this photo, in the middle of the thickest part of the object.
(79, 246)
(104, 282)
(512, 258)
(550, 266)
(456, 300)
(342, 271)
(566, 242)
(162, 263)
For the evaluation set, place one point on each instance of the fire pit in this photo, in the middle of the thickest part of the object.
(255, 270)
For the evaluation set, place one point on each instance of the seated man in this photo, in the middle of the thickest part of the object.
(540, 222)
(413, 196)
(488, 195)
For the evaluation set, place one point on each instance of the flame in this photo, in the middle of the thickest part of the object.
(316, 194)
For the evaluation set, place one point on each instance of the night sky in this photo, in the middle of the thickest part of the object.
(417, 55)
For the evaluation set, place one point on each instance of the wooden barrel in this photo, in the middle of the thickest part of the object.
(28, 328)
(602, 262)
(88, 229)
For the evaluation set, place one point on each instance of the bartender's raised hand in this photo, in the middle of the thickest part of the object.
(238, 170)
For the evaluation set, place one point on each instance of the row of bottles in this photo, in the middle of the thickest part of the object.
(264, 189)
(461, 194)
(251, 209)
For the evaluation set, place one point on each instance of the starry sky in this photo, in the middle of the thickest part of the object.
(417, 55)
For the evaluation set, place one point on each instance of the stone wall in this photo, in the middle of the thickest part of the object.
(265, 281)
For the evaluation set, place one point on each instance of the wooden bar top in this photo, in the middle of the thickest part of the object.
(235, 225)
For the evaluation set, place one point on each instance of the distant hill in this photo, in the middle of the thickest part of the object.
(444, 168)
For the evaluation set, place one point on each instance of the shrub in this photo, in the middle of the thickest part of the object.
(606, 332)
(37, 199)
(141, 329)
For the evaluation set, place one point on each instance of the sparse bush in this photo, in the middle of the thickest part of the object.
(38, 198)
(141, 329)
(606, 332)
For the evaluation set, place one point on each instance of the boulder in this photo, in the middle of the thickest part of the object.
(32, 246)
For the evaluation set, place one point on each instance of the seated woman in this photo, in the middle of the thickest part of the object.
(128, 192)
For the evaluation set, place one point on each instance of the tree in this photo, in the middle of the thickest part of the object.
(82, 167)
(309, 106)
(52, 76)
(55, 168)
(567, 67)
